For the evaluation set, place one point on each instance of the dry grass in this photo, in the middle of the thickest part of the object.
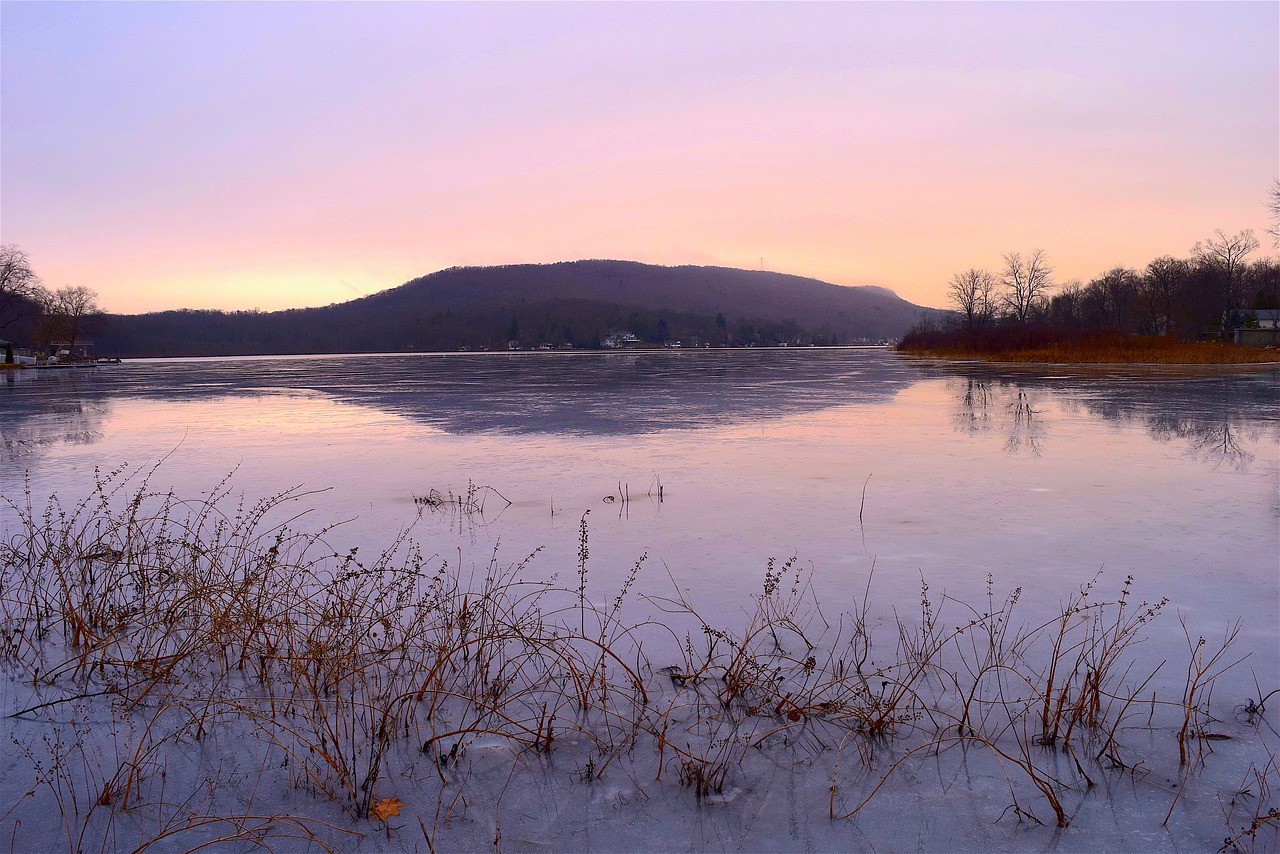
(1038, 344)
(186, 625)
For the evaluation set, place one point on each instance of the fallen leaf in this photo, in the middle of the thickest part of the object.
(385, 807)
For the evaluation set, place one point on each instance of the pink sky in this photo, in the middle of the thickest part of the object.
(276, 155)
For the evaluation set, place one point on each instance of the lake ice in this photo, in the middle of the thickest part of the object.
(860, 466)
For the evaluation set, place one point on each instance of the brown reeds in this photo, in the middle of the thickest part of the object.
(185, 624)
(1049, 344)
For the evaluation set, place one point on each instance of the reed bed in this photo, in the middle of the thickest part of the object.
(198, 672)
(1047, 344)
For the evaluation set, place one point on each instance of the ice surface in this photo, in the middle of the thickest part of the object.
(1038, 478)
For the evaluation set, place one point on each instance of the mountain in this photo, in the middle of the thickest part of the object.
(573, 302)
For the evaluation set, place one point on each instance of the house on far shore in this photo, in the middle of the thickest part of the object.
(620, 341)
(81, 351)
(14, 355)
(1255, 327)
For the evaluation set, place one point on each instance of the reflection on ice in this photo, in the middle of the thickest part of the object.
(973, 415)
(1026, 430)
(582, 394)
(637, 393)
(69, 422)
(1217, 416)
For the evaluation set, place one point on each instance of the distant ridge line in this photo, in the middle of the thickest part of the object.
(558, 304)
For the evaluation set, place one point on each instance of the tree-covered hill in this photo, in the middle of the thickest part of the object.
(576, 302)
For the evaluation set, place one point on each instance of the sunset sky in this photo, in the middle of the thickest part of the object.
(242, 155)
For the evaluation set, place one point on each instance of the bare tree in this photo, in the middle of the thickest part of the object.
(1065, 306)
(1026, 282)
(1262, 282)
(1227, 253)
(972, 293)
(1160, 292)
(20, 288)
(1273, 208)
(74, 311)
(1119, 286)
(1226, 256)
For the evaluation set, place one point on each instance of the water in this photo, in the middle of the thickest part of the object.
(868, 468)
(842, 459)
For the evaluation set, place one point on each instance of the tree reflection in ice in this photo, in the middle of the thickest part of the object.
(1025, 432)
(1219, 416)
(973, 415)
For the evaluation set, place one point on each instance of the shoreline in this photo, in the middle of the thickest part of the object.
(1039, 344)
(1008, 362)
(494, 353)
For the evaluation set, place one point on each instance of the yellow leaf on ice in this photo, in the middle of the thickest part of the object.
(385, 807)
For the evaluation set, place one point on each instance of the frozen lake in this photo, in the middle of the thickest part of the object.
(711, 463)
(1038, 476)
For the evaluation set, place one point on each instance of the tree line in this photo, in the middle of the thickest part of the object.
(1206, 294)
(345, 329)
(43, 318)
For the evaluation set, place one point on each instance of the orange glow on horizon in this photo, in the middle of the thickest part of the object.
(241, 157)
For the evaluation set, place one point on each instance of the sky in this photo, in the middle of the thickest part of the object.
(276, 155)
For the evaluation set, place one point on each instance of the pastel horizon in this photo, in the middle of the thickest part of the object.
(271, 156)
